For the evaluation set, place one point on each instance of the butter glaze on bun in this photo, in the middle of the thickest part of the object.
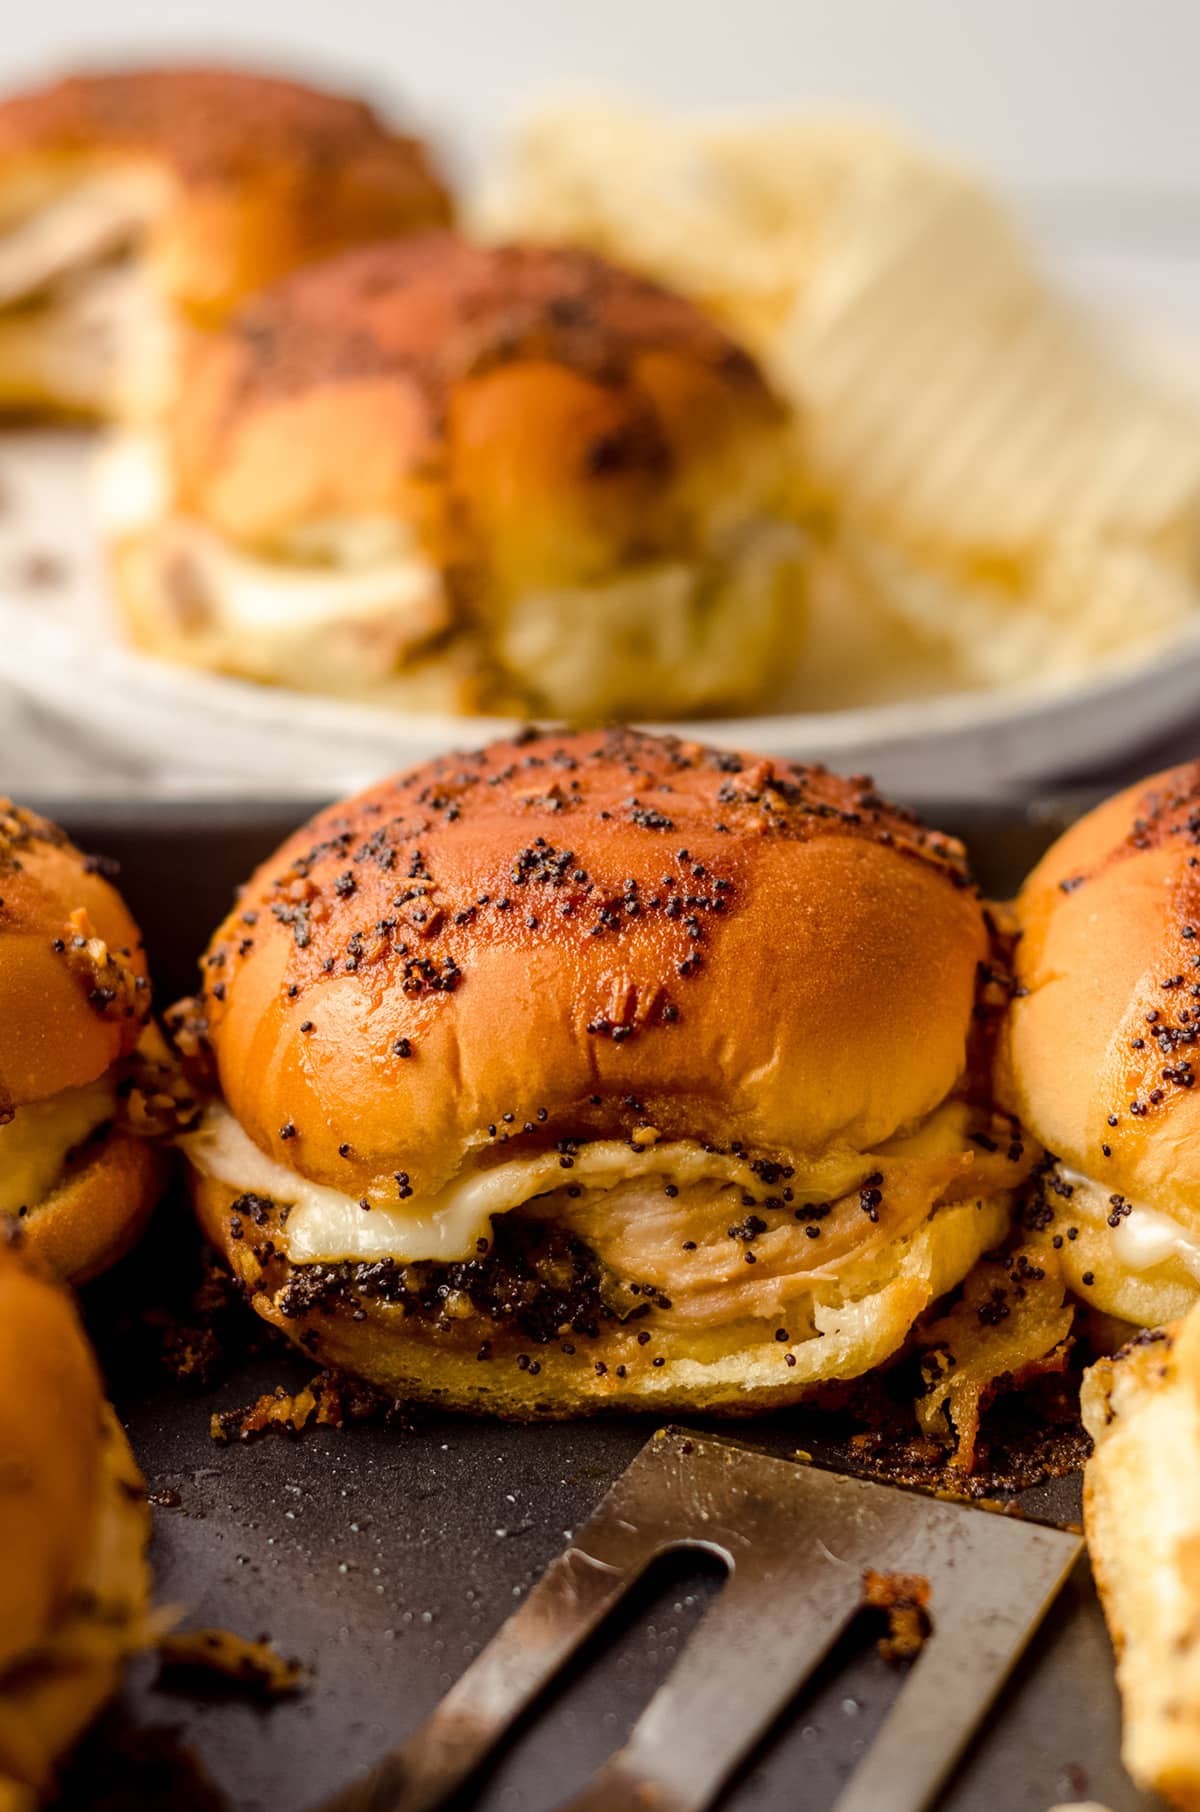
(202, 185)
(539, 1022)
(527, 459)
(1098, 1057)
(74, 1006)
(74, 1527)
(747, 947)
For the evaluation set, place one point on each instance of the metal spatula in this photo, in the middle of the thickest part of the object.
(796, 1541)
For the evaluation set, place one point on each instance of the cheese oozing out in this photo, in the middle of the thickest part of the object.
(36, 1142)
(1144, 1237)
(667, 635)
(84, 223)
(325, 1226)
(340, 570)
(83, 325)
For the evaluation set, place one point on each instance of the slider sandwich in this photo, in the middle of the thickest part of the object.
(1098, 1056)
(1142, 1515)
(600, 1069)
(77, 1178)
(441, 476)
(74, 1529)
(138, 206)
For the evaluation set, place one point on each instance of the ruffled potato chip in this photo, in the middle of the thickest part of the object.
(988, 477)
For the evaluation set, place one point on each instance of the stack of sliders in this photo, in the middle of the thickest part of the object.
(598, 1070)
(601, 1070)
(137, 207)
(437, 475)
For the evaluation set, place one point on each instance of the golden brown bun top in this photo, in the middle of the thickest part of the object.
(539, 407)
(574, 936)
(266, 172)
(50, 1409)
(1100, 1046)
(73, 987)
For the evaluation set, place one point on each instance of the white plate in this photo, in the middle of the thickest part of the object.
(186, 730)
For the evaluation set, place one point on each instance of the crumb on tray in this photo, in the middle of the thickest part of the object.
(255, 1667)
(904, 1599)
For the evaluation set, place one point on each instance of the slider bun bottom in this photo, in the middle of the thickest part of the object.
(1142, 1517)
(48, 1702)
(610, 655)
(57, 359)
(342, 660)
(863, 1325)
(99, 1209)
(37, 378)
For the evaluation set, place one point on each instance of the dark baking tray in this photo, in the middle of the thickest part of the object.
(384, 1557)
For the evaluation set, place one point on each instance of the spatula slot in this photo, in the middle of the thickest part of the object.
(594, 1703)
(797, 1543)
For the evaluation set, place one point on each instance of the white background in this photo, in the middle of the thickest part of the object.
(1085, 110)
(1083, 96)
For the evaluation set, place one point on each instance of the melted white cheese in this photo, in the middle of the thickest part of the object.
(374, 567)
(274, 597)
(664, 636)
(35, 1143)
(325, 1226)
(1144, 1237)
(89, 220)
(105, 343)
(131, 483)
